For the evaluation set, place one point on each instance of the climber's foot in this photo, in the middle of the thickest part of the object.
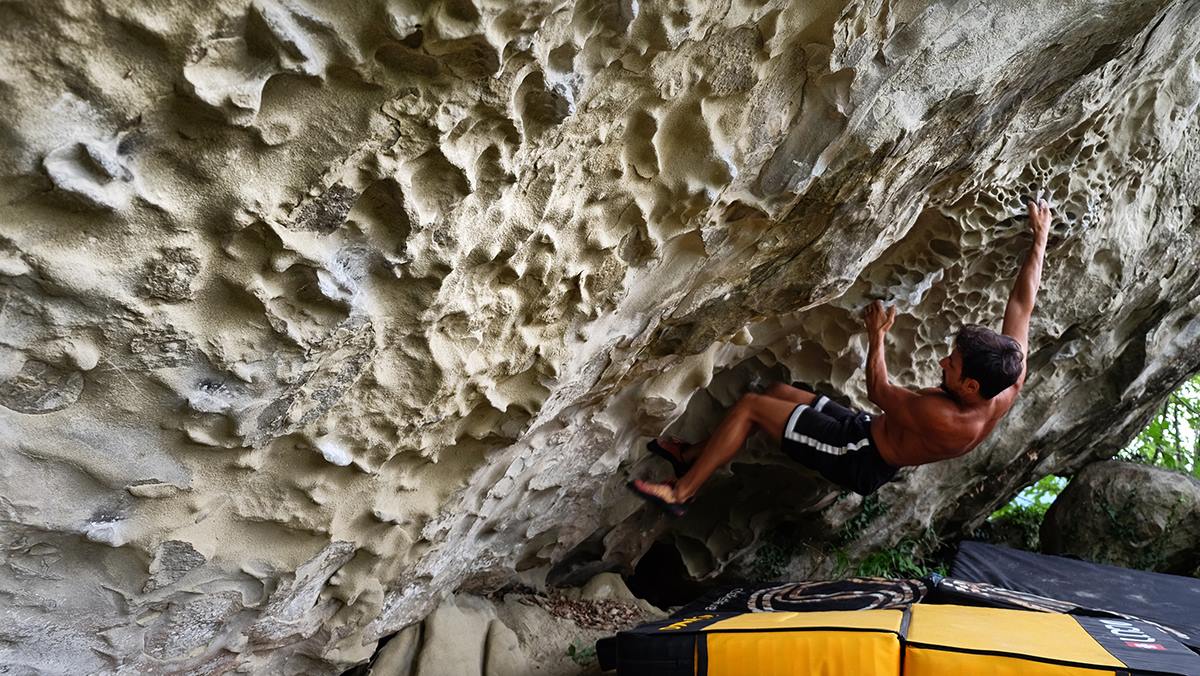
(672, 450)
(660, 495)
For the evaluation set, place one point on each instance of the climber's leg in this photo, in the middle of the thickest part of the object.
(780, 391)
(790, 393)
(751, 412)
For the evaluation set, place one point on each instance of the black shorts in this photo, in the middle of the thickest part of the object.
(836, 441)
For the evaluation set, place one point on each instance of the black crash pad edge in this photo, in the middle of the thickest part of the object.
(606, 653)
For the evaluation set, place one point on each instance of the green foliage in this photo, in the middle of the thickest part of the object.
(1019, 523)
(1033, 502)
(1172, 439)
(1021, 528)
(779, 546)
(582, 654)
(787, 540)
(872, 508)
(911, 557)
(770, 560)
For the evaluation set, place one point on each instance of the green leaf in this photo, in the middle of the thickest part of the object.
(1172, 438)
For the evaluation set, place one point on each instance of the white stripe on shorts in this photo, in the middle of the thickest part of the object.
(791, 423)
(790, 432)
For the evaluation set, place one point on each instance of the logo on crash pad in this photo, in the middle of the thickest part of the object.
(686, 621)
(1131, 635)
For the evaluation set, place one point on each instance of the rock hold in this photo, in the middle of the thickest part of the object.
(170, 275)
(41, 388)
(95, 172)
(172, 561)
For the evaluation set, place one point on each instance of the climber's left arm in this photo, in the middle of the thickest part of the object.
(1025, 287)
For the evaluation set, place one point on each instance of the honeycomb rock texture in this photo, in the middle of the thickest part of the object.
(312, 313)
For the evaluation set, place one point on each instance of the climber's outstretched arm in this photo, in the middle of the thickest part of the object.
(1025, 287)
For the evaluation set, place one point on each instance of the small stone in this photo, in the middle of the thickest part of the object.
(161, 347)
(41, 388)
(186, 627)
(172, 561)
(328, 211)
(83, 355)
(169, 276)
(153, 489)
(12, 265)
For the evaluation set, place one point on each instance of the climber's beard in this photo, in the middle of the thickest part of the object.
(946, 388)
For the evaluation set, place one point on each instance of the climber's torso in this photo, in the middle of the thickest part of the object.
(955, 433)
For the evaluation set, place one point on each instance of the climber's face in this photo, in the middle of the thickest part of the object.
(945, 363)
(953, 382)
(952, 373)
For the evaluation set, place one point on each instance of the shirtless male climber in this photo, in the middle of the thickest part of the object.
(980, 380)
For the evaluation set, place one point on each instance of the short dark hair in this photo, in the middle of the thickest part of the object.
(991, 359)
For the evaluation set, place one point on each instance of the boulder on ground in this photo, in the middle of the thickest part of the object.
(1130, 515)
(522, 633)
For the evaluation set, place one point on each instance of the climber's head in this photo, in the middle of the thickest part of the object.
(983, 364)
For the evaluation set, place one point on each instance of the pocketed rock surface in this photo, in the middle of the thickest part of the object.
(311, 313)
